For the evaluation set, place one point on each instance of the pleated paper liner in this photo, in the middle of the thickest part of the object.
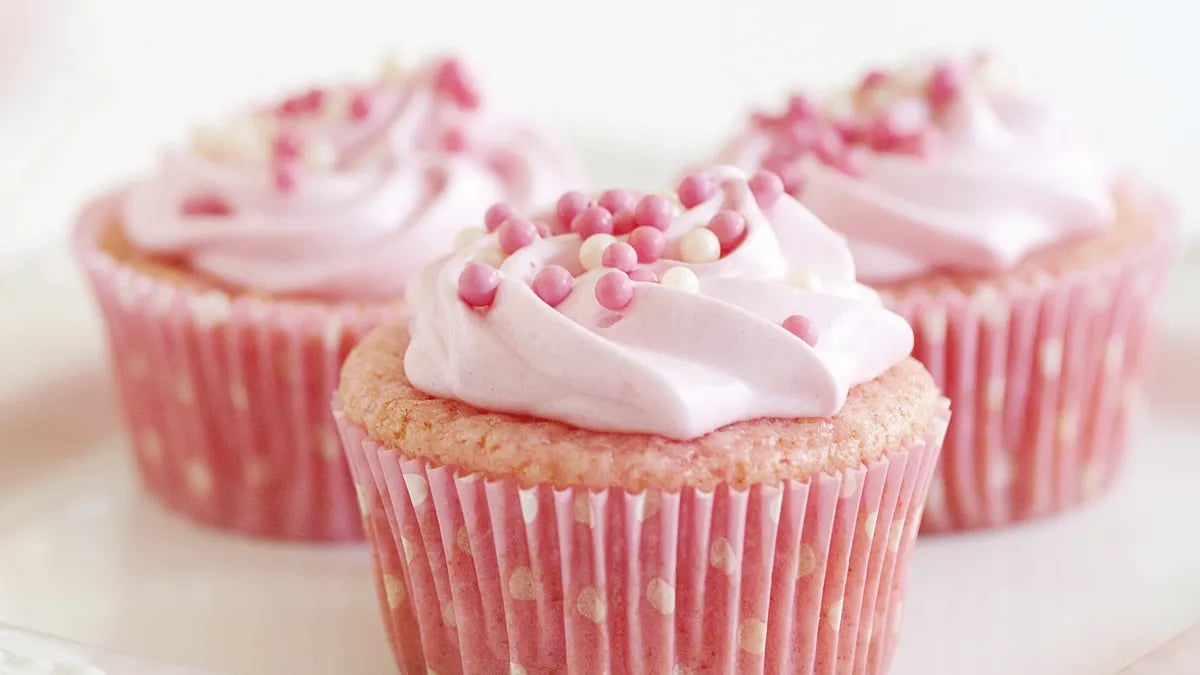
(226, 399)
(1044, 377)
(482, 576)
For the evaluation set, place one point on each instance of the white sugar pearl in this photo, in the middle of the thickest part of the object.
(336, 104)
(208, 142)
(682, 278)
(246, 141)
(319, 154)
(593, 249)
(391, 67)
(467, 236)
(699, 246)
(491, 255)
(805, 280)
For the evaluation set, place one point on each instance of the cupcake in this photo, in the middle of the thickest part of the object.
(1028, 266)
(635, 447)
(236, 277)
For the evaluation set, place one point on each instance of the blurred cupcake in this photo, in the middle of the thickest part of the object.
(1027, 266)
(234, 279)
(635, 447)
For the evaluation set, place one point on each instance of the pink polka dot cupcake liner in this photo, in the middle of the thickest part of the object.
(226, 398)
(483, 576)
(1044, 377)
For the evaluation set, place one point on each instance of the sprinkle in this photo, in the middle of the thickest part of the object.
(729, 228)
(619, 255)
(614, 290)
(451, 79)
(592, 220)
(699, 246)
(287, 145)
(767, 188)
(515, 234)
(205, 205)
(360, 105)
(477, 284)
(553, 284)
(570, 205)
(695, 189)
(496, 215)
(681, 278)
(802, 327)
(592, 250)
(654, 211)
(468, 236)
(615, 201)
(648, 242)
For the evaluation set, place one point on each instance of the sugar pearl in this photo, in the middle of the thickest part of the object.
(619, 255)
(570, 205)
(490, 255)
(496, 215)
(360, 105)
(729, 227)
(592, 250)
(648, 242)
(802, 327)
(699, 246)
(477, 284)
(695, 189)
(805, 280)
(614, 290)
(681, 278)
(944, 84)
(592, 220)
(615, 201)
(767, 188)
(624, 222)
(553, 284)
(515, 234)
(468, 236)
(451, 80)
(654, 211)
(644, 274)
(319, 154)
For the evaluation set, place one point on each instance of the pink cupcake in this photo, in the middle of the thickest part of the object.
(234, 280)
(1027, 266)
(636, 448)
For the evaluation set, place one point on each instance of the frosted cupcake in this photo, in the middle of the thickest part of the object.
(633, 447)
(235, 278)
(1027, 265)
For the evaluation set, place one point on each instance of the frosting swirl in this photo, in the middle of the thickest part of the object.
(935, 168)
(704, 341)
(344, 192)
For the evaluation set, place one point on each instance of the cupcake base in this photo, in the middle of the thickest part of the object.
(226, 397)
(484, 576)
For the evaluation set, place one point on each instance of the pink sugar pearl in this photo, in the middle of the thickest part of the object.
(570, 205)
(313, 98)
(695, 189)
(619, 255)
(615, 201)
(648, 242)
(477, 284)
(624, 222)
(516, 233)
(496, 215)
(360, 105)
(287, 145)
(592, 220)
(767, 188)
(614, 290)
(653, 211)
(802, 327)
(285, 176)
(730, 228)
(644, 274)
(553, 284)
(944, 84)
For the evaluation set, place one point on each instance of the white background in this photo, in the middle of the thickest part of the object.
(90, 88)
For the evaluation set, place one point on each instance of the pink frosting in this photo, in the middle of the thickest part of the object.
(382, 179)
(676, 362)
(990, 175)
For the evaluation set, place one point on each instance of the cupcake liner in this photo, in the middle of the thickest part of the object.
(227, 398)
(1044, 377)
(482, 576)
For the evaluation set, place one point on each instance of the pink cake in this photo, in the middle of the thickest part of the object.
(234, 280)
(1027, 266)
(634, 447)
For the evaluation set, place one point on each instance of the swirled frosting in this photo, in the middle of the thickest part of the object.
(344, 192)
(934, 168)
(704, 347)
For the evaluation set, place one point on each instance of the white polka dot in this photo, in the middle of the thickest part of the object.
(462, 539)
(833, 615)
(897, 616)
(394, 589)
(647, 506)
(896, 534)
(1092, 480)
(330, 445)
(516, 669)
(1050, 358)
(210, 309)
(199, 478)
(661, 595)
(1000, 472)
(933, 326)
(682, 670)
(127, 295)
(151, 446)
(752, 636)
(581, 509)
(807, 562)
(722, 556)
(238, 396)
(591, 605)
(418, 488)
(529, 505)
(1114, 354)
(364, 499)
(520, 584)
(849, 486)
(331, 334)
(409, 549)
(935, 500)
(1068, 426)
(869, 523)
(137, 365)
(257, 472)
(995, 393)
(775, 507)
(448, 615)
(184, 392)
(992, 308)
